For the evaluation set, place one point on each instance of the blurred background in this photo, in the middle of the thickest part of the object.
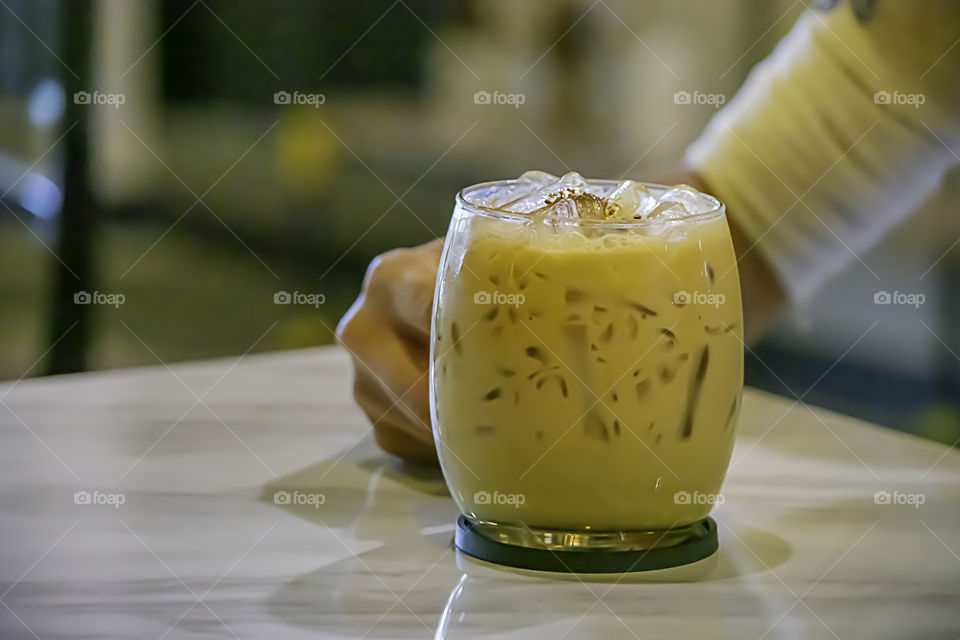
(169, 170)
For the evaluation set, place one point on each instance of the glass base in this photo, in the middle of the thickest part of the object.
(583, 551)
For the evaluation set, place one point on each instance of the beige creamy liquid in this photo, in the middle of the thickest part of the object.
(601, 394)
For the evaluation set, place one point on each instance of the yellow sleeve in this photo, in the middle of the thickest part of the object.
(838, 135)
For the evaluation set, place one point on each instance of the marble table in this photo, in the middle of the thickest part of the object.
(149, 503)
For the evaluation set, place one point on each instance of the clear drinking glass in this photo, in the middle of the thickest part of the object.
(585, 375)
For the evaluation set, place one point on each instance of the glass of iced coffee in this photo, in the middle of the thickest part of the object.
(586, 366)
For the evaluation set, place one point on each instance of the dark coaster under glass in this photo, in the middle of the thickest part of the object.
(586, 552)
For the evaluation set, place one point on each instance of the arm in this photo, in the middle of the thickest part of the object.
(836, 137)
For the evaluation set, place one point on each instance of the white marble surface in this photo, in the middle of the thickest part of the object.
(198, 548)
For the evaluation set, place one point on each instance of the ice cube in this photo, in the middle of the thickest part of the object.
(629, 200)
(535, 201)
(691, 199)
(572, 180)
(539, 178)
(563, 209)
(589, 206)
(571, 189)
(528, 183)
(586, 197)
(668, 210)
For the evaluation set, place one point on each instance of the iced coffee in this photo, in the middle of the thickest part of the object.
(587, 354)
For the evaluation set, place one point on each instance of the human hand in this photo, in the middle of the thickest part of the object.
(387, 333)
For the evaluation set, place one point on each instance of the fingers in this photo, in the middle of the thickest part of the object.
(405, 280)
(396, 441)
(387, 333)
(387, 414)
(413, 303)
(393, 393)
(399, 393)
(391, 427)
(384, 359)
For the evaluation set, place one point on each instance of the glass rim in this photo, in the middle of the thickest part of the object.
(719, 211)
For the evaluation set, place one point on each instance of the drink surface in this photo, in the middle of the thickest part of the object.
(586, 376)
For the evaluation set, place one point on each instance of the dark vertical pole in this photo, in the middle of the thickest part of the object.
(70, 323)
(952, 323)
